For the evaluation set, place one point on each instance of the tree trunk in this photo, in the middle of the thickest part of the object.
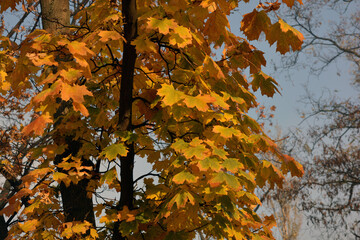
(125, 108)
(77, 205)
(55, 15)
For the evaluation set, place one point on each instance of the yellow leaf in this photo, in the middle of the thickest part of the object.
(29, 225)
(111, 152)
(105, 36)
(162, 25)
(170, 95)
(62, 177)
(227, 132)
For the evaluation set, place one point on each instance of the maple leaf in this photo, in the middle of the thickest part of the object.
(293, 166)
(38, 125)
(110, 178)
(228, 179)
(254, 23)
(76, 93)
(62, 177)
(144, 45)
(285, 36)
(290, 3)
(181, 199)
(170, 95)
(105, 36)
(184, 176)
(227, 132)
(162, 25)
(29, 225)
(111, 152)
(266, 84)
(213, 68)
(249, 198)
(210, 162)
(5, 5)
(215, 26)
(232, 165)
(181, 37)
(200, 102)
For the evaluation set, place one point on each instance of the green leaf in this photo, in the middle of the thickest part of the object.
(267, 85)
(232, 165)
(181, 199)
(180, 145)
(229, 180)
(196, 149)
(111, 152)
(184, 176)
(212, 163)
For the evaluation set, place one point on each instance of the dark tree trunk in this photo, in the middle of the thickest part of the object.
(3, 228)
(77, 205)
(125, 108)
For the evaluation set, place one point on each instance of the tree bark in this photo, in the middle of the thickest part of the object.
(125, 108)
(55, 15)
(3, 201)
(76, 204)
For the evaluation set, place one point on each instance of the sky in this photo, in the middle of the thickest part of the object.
(295, 84)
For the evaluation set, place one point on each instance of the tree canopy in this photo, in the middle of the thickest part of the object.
(105, 82)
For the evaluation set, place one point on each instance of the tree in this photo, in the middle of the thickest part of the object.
(108, 81)
(328, 39)
(329, 191)
(329, 198)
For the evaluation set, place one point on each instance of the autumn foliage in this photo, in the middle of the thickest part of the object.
(125, 83)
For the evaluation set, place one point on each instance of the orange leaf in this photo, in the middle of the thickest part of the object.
(37, 126)
(79, 48)
(254, 23)
(215, 26)
(76, 93)
(285, 36)
(290, 3)
(200, 102)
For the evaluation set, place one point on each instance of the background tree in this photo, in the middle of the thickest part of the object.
(329, 150)
(108, 81)
(332, 35)
(329, 191)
